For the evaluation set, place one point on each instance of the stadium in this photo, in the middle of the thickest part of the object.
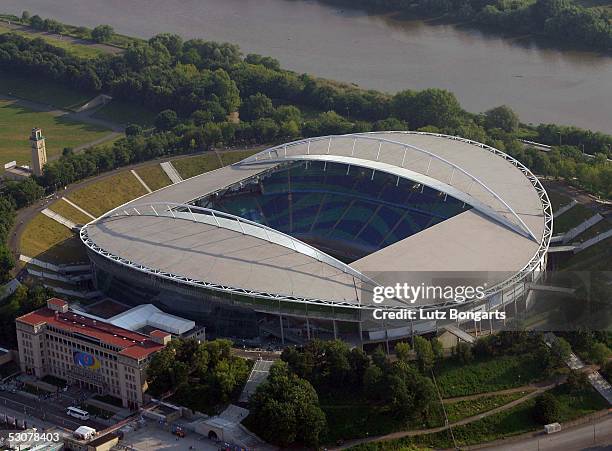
(292, 241)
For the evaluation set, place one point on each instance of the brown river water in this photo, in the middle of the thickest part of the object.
(541, 84)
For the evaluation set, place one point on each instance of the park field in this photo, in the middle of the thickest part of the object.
(16, 123)
(42, 91)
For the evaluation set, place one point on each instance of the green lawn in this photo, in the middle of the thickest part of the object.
(17, 122)
(557, 200)
(571, 218)
(499, 373)
(601, 227)
(126, 113)
(69, 212)
(596, 258)
(51, 242)
(234, 157)
(350, 417)
(458, 410)
(154, 176)
(192, 166)
(42, 91)
(514, 421)
(80, 50)
(108, 193)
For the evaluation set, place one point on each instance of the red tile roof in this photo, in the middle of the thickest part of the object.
(158, 333)
(132, 344)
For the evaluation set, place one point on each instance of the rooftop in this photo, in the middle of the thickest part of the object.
(131, 344)
(504, 233)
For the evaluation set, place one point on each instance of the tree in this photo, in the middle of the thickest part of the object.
(373, 382)
(437, 348)
(577, 381)
(546, 409)
(25, 16)
(463, 352)
(436, 107)
(256, 107)
(285, 409)
(561, 348)
(424, 354)
(102, 33)
(24, 192)
(502, 117)
(133, 130)
(600, 353)
(402, 350)
(166, 120)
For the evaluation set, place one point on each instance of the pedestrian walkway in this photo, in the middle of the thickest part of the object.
(573, 362)
(78, 208)
(171, 172)
(58, 218)
(258, 375)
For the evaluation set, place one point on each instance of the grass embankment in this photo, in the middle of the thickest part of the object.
(192, 166)
(79, 50)
(557, 200)
(599, 228)
(66, 210)
(16, 123)
(595, 258)
(482, 376)
(42, 91)
(571, 218)
(49, 241)
(110, 192)
(126, 113)
(154, 176)
(514, 421)
(358, 419)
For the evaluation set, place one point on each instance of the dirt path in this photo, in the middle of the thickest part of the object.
(397, 435)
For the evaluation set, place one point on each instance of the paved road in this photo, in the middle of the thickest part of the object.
(592, 436)
(51, 410)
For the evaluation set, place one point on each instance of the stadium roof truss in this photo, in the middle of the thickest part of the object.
(283, 153)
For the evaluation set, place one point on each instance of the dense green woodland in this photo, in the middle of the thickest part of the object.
(288, 408)
(195, 85)
(563, 21)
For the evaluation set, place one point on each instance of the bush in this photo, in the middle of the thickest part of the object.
(546, 409)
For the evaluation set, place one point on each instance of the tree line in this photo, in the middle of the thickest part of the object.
(564, 21)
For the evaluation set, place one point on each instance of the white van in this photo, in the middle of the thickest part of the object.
(77, 413)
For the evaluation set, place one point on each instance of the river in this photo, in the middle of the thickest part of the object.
(542, 85)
